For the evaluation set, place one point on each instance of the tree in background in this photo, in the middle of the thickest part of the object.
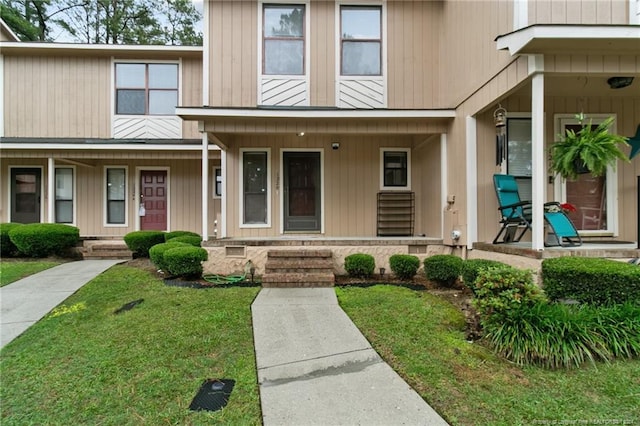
(106, 21)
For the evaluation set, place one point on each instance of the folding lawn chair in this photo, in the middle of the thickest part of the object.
(564, 233)
(514, 212)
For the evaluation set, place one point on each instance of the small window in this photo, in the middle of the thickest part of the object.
(255, 188)
(116, 190)
(64, 195)
(146, 89)
(217, 192)
(283, 39)
(395, 167)
(361, 40)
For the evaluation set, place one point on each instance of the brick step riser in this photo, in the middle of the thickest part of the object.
(301, 254)
(297, 285)
(297, 271)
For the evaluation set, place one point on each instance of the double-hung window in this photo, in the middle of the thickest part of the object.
(255, 187)
(395, 168)
(64, 195)
(519, 154)
(146, 89)
(283, 39)
(116, 195)
(361, 40)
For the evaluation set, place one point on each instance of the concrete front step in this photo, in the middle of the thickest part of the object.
(299, 265)
(298, 280)
(108, 249)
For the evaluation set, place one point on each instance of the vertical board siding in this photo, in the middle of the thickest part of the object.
(578, 12)
(191, 93)
(322, 57)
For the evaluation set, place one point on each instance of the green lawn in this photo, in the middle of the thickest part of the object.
(11, 271)
(143, 366)
(422, 338)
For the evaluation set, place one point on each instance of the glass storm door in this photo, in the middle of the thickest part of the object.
(25, 195)
(302, 197)
(153, 200)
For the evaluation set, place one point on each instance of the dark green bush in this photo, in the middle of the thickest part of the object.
(139, 242)
(7, 248)
(185, 261)
(359, 265)
(471, 267)
(444, 269)
(176, 234)
(555, 335)
(404, 266)
(156, 253)
(591, 280)
(44, 239)
(192, 240)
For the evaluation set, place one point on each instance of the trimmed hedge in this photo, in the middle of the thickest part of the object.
(471, 268)
(591, 280)
(444, 269)
(192, 240)
(44, 239)
(404, 266)
(359, 265)
(139, 242)
(156, 253)
(176, 234)
(185, 261)
(7, 248)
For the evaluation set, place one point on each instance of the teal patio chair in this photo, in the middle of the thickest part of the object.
(561, 229)
(514, 212)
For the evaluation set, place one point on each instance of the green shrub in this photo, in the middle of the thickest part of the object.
(471, 267)
(591, 280)
(156, 253)
(555, 335)
(404, 266)
(176, 234)
(444, 269)
(7, 248)
(44, 239)
(185, 261)
(499, 291)
(192, 240)
(359, 265)
(139, 242)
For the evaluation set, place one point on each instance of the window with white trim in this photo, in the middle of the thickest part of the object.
(395, 168)
(217, 182)
(146, 89)
(116, 195)
(283, 39)
(64, 194)
(361, 40)
(519, 154)
(255, 187)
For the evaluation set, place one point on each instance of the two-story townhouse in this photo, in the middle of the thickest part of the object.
(357, 125)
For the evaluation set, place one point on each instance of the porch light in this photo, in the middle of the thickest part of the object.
(619, 82)
(500, 120)
(382, 270)
(300, 134)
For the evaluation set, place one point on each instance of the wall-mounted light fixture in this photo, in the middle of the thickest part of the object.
(619, 82)
(300, 134)
(335, 145)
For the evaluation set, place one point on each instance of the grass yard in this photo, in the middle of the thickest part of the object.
(143, 366)
(422, 338)
(11, 271)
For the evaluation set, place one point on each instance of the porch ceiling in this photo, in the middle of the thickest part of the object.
(582, 86)
(593, 39)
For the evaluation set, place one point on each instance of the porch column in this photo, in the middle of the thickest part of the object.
(538, 173)
(472, 181)
(223, 199)
(51, 189)
(205, 187)
(444, 189)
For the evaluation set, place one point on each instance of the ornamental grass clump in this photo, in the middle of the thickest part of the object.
(404, 266)
(359, 265)
(444, 269)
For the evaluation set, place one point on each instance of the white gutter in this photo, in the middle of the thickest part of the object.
(312, 113)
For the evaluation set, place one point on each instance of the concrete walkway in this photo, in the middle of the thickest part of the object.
(24, 302)
(315, 367)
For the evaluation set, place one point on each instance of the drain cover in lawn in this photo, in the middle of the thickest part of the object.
(128, 306)
(213, 395)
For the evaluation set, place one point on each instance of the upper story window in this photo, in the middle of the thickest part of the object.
(146, 89)
(283, 39)
(361, 40)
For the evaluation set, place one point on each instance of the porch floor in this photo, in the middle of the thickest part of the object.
(612, 250)
(312, 240)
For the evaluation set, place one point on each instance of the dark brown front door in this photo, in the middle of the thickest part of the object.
(153, 200)
(25, 195)
(302, 197)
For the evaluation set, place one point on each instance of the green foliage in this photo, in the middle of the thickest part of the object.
(139, 242)
(595, 148)
(188, 239)
(359, 265)
(471, 268)
(404, 266)
(500, 291)
(185, 261)
(7, 248)
(444, 269)
(156, 253)
(44, 239)
(175, 234)
(591, 280)
(561, 336)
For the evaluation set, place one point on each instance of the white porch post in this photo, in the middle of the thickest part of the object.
(444, 172)
(51, 189)
(205, 187)
(223, 198)
(538, 173)
(472, 181)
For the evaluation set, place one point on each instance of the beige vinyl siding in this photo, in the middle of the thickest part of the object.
(323, 55)
(191, 93)
(426, 181)
(51, 96)
(578, 12)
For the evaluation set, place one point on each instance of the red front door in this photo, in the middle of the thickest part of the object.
(153, 200)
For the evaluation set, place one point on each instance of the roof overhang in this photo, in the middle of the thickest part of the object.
(81, 49)
(593, 39)
(9, 143)
(4, 28)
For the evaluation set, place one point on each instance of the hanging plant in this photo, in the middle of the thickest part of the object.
(587, 150)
